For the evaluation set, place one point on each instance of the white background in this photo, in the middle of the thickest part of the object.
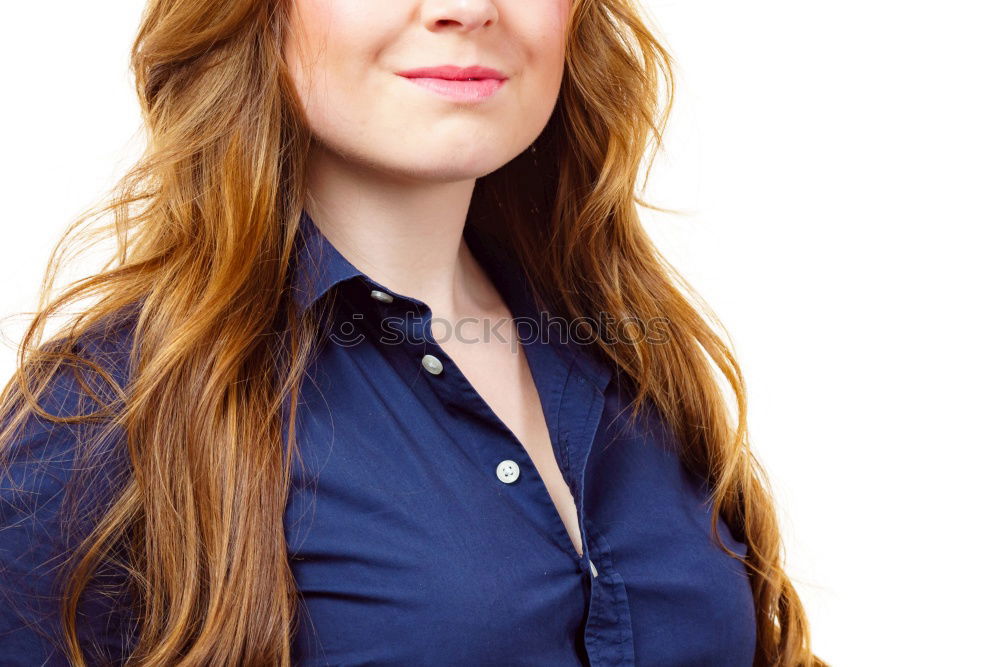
(838, 164)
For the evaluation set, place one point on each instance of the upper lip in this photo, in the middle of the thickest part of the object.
(454, 73)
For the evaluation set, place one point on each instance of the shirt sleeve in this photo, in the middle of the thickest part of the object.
(35, 538)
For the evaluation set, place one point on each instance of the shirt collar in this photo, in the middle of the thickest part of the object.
(317, 264)
(319, 267)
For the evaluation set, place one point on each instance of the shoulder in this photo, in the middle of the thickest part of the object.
(43, 434)
(73, 413)
(56, 477)
(80, 386)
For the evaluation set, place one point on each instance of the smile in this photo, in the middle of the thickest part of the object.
(461, 84)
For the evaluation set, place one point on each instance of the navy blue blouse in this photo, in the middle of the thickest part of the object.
(420, 532)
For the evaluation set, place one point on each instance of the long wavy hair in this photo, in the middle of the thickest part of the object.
(204, 225)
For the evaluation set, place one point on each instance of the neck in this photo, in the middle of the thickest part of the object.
(403, 233)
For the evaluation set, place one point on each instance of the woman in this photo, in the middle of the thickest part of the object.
(252, 449)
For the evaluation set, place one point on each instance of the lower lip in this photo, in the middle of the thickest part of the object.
(461, 90)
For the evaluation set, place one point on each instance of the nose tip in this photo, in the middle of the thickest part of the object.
(463, 15)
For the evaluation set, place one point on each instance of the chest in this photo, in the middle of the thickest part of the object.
(409, 549)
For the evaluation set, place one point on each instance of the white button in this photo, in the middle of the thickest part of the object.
(508, 471)
(593, 570)
(432, 364)
(381, 296)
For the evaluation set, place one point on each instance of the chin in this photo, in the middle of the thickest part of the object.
(452, 167)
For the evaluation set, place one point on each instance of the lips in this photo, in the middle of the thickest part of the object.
(454, 73)
(460, 84)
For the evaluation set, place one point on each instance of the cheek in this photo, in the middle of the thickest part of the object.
(329, 47)
(541, 28)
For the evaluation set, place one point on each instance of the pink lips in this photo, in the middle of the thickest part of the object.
(462, 84)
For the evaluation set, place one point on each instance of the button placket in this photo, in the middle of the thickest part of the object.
(455, 389)
(610, 618)
(581, 399)
(510, 466)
